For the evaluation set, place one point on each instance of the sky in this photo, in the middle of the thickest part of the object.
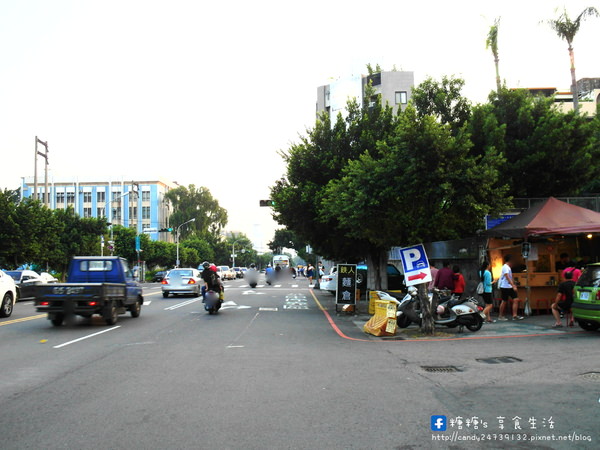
(210, 93)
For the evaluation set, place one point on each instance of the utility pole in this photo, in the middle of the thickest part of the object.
(35, 183)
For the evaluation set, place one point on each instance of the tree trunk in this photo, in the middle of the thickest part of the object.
(573, 80)
(498, 84)
(427, 324)
(377, 273)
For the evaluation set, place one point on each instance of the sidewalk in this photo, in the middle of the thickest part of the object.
(351, 323)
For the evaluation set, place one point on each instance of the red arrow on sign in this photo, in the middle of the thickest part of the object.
(420, 275)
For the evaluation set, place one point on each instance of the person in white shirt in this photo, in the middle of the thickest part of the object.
(508, 290)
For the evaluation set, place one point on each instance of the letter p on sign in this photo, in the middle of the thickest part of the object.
(416, 266)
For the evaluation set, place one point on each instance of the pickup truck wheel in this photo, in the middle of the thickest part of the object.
(57, 320)
(6, 308)
(110, 314)
(136, 308)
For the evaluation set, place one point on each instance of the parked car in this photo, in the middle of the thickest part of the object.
(586, 301)
(395, 278)
(182, 282)
(329, 281)
(158, 276)
(8, 294)
(25, 280)
(238, 272)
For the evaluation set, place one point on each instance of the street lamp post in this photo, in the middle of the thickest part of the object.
(177, 239)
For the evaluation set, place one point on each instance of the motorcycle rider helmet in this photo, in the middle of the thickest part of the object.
(206, 264)
(252, 266)
(213, 268)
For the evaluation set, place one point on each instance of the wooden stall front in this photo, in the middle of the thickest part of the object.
(537, 276)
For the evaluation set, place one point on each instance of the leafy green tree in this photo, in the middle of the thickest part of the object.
(425, 186)
(567, 29)
(318, 158)
(443, 100)
(196, 203)
(548, 153)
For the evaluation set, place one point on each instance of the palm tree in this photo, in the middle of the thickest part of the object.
(492, 42)
(567, 29)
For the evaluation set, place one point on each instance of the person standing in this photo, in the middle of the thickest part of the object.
(459, 282)
(444, 279)
(486, 278)
(508, 290)
(310, 273)
(564, 299)
(434, 271)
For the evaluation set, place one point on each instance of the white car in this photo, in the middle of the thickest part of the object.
(225, 273)
(25, 282)
(8, 294)
(329, 282)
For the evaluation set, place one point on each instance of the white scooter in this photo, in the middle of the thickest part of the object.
(451, 311)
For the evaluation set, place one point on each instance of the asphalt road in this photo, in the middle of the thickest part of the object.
(277, 368)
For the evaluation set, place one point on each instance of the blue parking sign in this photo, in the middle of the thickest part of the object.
(415, 264)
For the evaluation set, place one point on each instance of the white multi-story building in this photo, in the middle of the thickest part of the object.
(140, 205)
(393, 88)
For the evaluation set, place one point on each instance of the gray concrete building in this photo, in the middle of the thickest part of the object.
(393, 88)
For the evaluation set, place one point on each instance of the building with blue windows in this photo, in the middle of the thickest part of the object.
(140, 205)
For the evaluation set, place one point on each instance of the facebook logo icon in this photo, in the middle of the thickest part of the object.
(438, 423)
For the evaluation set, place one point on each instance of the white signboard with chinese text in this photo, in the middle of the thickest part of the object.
(345, 293)
(416, 265)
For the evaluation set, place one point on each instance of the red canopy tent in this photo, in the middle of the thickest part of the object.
(550, 217)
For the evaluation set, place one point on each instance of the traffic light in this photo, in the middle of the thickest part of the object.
(267, 203)
(164, 230)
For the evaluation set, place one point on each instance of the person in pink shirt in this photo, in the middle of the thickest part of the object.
(574, 270)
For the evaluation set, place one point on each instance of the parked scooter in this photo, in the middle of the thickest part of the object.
(451, 311)
(212, 302)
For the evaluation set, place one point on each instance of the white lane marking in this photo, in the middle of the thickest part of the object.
(147, 302)
(262, 308)
(87, 337)
(179, 305)
(252, 293)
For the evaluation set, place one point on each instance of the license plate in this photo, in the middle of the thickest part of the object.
(584, 295)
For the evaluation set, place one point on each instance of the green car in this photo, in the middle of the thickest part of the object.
(586, 301)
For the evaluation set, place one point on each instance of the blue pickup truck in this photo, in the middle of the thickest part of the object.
(95, 285)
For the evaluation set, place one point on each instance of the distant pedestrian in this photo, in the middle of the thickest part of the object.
(486, 278)
(459, 282)
(310, 273)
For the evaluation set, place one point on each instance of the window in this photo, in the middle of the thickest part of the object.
(100, 196)
(117, 213)
(132, 212)
(87, 212)
(145, 196)
(101, 213)
(60, 197)
(70, 198)
(401, 97)
(87, 197)
(95, 266)
(145, 212)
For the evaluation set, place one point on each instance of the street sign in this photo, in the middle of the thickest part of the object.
(345, 293)
(415, 264)
(150, 230)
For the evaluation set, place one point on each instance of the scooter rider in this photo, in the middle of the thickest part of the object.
(212, 282)
(252, 275)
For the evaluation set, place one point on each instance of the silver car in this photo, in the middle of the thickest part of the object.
(182, 282)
